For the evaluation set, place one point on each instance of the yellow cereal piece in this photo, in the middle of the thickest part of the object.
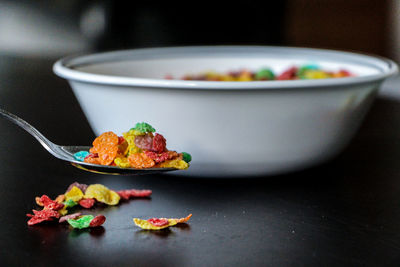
(175, 163)
(102, 194)
(122, 162)
(74, 194)
(316, 74)
(135, 132)
(130, 138)
(227, 78)
(63, 211)
(144, 224)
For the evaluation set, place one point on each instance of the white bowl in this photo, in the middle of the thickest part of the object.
(230, 128)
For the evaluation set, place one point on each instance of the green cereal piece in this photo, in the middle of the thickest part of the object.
(82, 222)
(186, 157)
(143, 127)
(70, 203)
(265, 74)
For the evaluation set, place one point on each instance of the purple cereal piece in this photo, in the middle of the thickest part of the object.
(70, 216)
(144, 141)
(82, 187)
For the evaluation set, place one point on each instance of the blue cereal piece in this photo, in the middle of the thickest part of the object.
(81, 155)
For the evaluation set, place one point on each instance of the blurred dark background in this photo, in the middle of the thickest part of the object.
(55, 28)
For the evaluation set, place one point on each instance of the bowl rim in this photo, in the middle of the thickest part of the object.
(64, 68)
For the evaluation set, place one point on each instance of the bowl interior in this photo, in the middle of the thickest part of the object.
(157, 63)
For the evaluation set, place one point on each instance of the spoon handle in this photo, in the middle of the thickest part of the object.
(47, 144)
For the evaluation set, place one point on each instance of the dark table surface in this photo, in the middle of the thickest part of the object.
(345, 212)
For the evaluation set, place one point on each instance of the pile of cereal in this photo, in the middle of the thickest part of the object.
(266, 74)
(140, 147)
(64, 207)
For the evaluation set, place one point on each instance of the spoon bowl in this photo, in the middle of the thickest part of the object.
(66, 153)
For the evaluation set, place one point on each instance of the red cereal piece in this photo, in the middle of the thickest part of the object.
(144, 141)
(158, 222)
(131, 193)
(42, 215)
(92, 158)
(97, 221)
(121, 139)
(288, 74)
(87, 203)
(158, 158)
(159, 143)
(50, 204)
(70, 216)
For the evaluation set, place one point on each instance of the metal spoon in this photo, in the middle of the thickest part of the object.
(67, 152)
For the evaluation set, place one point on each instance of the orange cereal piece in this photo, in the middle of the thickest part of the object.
(108, 138)
(106, 146)
(185, 219)
(92, 160)
(107, 154)
(39, 201)
(60, 198)
(140, 161)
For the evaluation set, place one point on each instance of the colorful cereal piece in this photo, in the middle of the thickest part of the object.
(47, 203)
(70, 203)
(82, 187)
(60, 198)
(185, 219)
(106, 146)
(144, 141)
(186, 157)
(159, 223)
(81, 222)
(70, 216)
(159, 143)
(102, 194)
(143, 127)
(315, 74)
(122, 162)
(107, 154)
(158, 158)
(97, 221)
(132, 193)
(42, 215)
(145, 224)
(288, 74)
(130, 139)
(81, 155)
(140, 161)
(87, 203)
(245, 76)
(264, 74)
(74, 194)
(175, 163)
(107, 138)
(92, 158)
(122, 146)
